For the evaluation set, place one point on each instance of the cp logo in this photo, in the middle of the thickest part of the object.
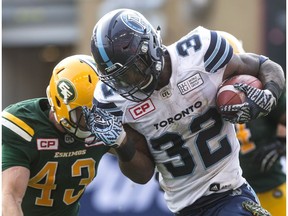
(142, 109)
(47, 144)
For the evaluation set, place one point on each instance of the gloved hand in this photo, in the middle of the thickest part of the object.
(105, 126)
(241, 116)
(255, 208)
(259, 103)
(266, 156)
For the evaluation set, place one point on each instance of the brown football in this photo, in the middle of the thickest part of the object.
(228, 95)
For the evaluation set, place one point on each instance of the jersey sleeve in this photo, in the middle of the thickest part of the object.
(204, 48)
(105, 98)
(17, 150)
(218, 54)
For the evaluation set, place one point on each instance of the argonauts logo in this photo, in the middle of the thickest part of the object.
(136, 22)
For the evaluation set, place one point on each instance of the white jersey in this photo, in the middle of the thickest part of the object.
(195, 151)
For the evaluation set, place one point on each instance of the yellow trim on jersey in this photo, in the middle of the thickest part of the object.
(17, 125)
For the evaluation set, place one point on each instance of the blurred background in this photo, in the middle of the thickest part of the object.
(37, 34)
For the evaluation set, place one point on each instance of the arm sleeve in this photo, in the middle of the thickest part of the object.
(16, 151)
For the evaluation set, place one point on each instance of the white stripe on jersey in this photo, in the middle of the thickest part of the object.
(223, 58)
(18, 130)
(214, 53)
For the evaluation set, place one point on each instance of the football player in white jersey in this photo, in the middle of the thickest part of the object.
(165, 97)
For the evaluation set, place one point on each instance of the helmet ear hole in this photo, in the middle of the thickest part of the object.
(89, 79)
(155, 44)
(58, 102)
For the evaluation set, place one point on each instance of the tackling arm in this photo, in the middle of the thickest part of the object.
(129, 145)
(14, 184)
(135, 160)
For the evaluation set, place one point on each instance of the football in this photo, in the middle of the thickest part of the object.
(228, 95)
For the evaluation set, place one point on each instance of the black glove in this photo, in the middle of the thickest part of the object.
(259, 103)
(266, 156)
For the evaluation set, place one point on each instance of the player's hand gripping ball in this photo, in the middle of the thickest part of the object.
(231, 102)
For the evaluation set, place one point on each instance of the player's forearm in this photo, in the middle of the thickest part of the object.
(139, 169)
(272, 76)
(270, 73)
(134, 164)
(10, 206)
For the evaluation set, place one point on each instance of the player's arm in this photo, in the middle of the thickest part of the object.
(270, 154)
(135, 160)
(14, 183)
(259, 102)
(269, 72)
(129, 145)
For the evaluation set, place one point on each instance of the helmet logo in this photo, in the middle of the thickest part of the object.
(136, 23)
(66, 90)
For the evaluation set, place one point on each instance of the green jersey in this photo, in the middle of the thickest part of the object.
(60, 166)
(254, 135)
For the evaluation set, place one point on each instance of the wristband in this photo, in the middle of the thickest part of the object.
(262, 59)
(274, 88)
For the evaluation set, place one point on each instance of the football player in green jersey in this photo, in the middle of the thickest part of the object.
(260, 154)
(48, 154)
(262, 146)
